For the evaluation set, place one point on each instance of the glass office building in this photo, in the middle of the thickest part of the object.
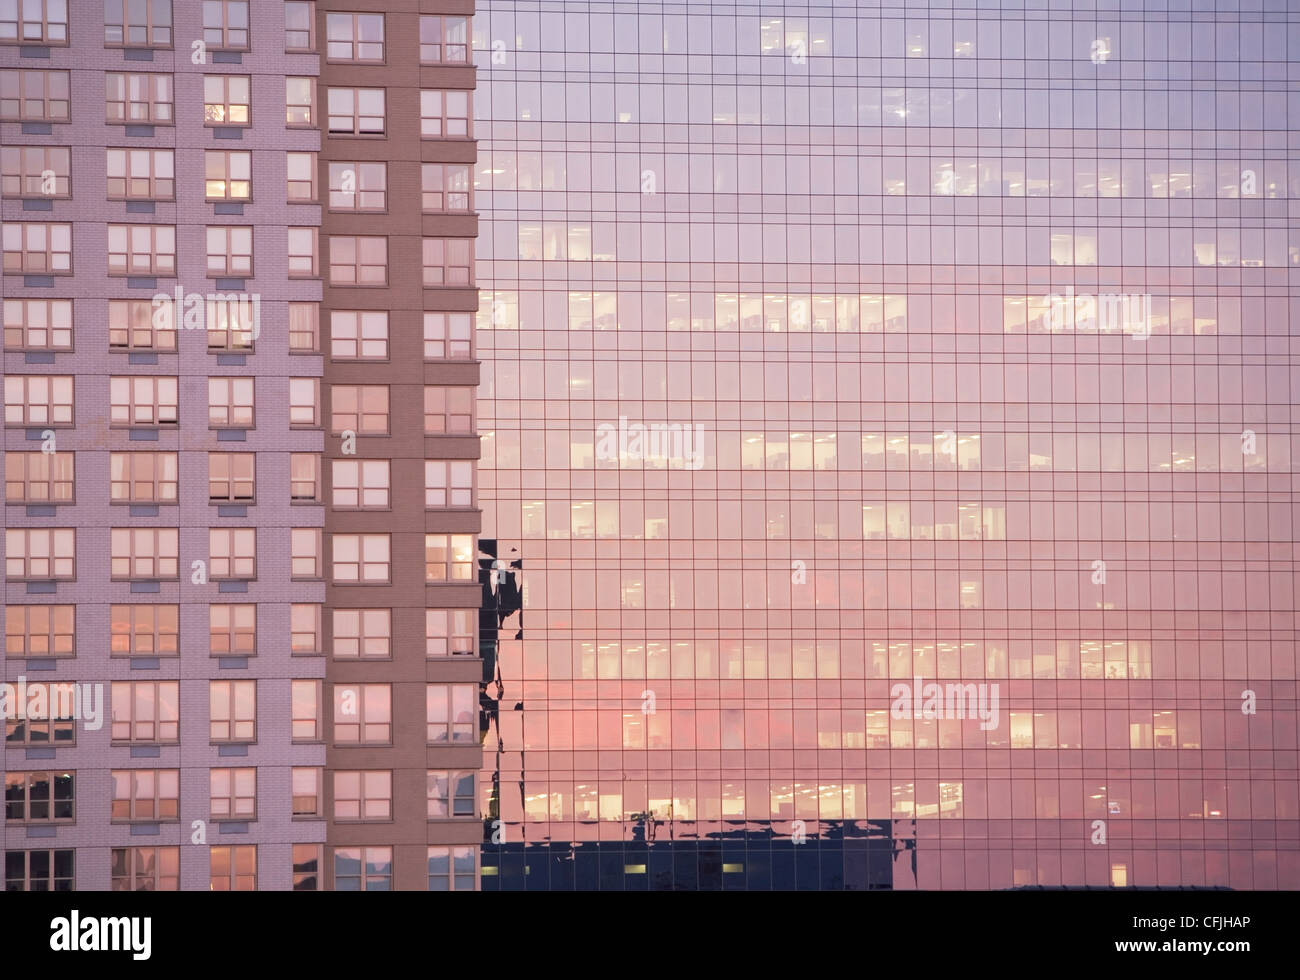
(889, 439)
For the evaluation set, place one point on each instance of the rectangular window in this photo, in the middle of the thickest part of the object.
(358, 186)
(142, 250)
(141, 175)
(453, 869)
(40, 631)
(232, 869)
(228, 175)
(37, 324)
(448, 261)
(301, 168)
(230, 403)
(40, 553)
(306, 792)
(34, 22)
(146, 869)
(307, 861)
(362, 409)
(363, 634)
(146, 795)
(451, 632)
(304, 328)
(358, 335)
(363, 714)
(304, 402)
(358, 261)
(448, 483)
(225, 24)
(448, 336)
(36, 248)
(448, 409)
(232, 478)
(360, 484)
(446, 187)
(299, 26)
(142, 400)
(232, 553)
(40, 871)
(354, 37)
(303, 249)
(232, 711)
(143, 478)
(144, 630)
(146, 711)
(40, 797)
(445, 114)
(230, 250)
(232, 629)
(305, 701)
(231, 322)
(305, 559)
(54, 726)
(304, 628)
(137, 23)
(145, 553)
(451, 794)
(448, 557)
(304, 477)
(363, 869)
(297, 101)
(364, 795)
(40, 399)
(140, 325)
(36, 171)
(451, 713)
(444, 40)
(355, 111)
(232, 793)
(34, 95)
(362, 558)
(39, 478)
(227, 100)
(143, 98)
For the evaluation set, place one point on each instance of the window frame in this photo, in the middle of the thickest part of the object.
(49, 631)
(56, 409)
(62, 561)
(442, 43)
(22, 474)
(159, 481)
(17, 93)
(130, 615)
(50, 259)
(161, 110)
(238, 567)
(157, 799)
(151, 25)
(45, 38)
(57, 320)
(226, 35)
(145, 868)
(151, 712)
(151, 554)
(230, 711)
(353, 41)
(14, 166)
(354, 115)
(436, 120)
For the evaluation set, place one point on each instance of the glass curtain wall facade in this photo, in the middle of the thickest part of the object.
(888, 422)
